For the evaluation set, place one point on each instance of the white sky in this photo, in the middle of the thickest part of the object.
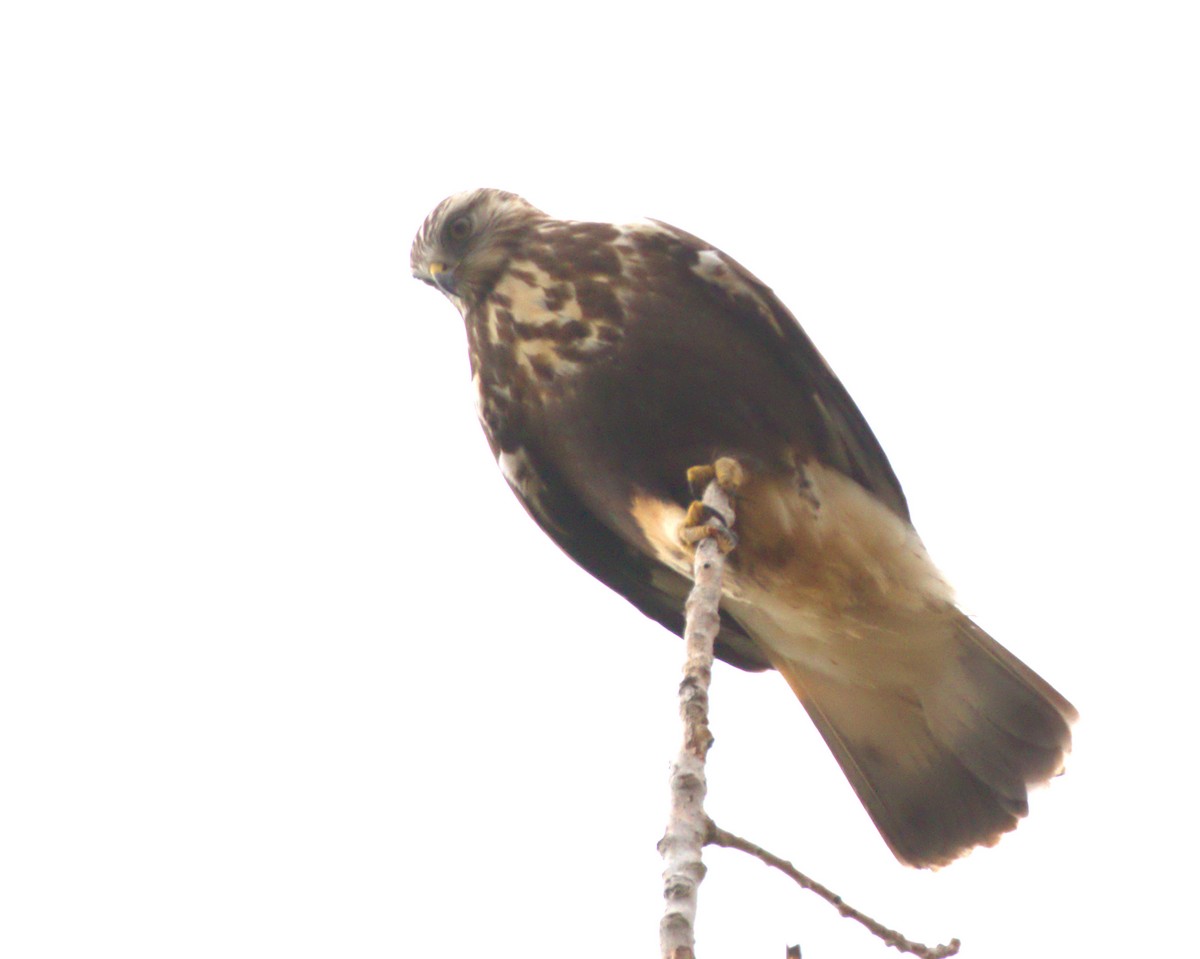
(286, 671)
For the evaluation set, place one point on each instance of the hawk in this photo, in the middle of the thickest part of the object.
(608, 361)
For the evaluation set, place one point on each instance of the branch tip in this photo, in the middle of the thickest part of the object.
(716, 836)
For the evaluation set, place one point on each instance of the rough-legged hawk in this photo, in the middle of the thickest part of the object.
(611, 359)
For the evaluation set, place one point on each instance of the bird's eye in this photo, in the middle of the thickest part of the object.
(459, 229)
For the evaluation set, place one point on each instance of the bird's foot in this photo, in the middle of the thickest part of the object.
(702, 521)
(728, 472)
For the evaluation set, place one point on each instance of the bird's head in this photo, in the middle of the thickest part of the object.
(465, 243)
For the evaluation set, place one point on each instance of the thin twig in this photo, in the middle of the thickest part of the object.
(719, 837)
(687, 824)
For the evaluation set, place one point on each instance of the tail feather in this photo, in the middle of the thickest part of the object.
(944, 758)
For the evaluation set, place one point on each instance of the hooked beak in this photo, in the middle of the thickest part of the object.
(442, 277)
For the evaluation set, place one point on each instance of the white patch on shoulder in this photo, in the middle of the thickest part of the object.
(712, 265)
(715, 267)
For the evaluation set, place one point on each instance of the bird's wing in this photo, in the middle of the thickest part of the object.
(841, 434)
(657, 591)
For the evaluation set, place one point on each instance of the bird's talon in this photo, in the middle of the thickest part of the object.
(725, 538)
(698, 514)
(704, 522)
(730, 474)
(698, 478)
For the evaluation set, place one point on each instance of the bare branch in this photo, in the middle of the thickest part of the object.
(719, 837)
(687, 825)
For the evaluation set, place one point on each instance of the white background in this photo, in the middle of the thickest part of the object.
(288, 672)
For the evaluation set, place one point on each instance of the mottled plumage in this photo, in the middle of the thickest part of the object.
(610, 359)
